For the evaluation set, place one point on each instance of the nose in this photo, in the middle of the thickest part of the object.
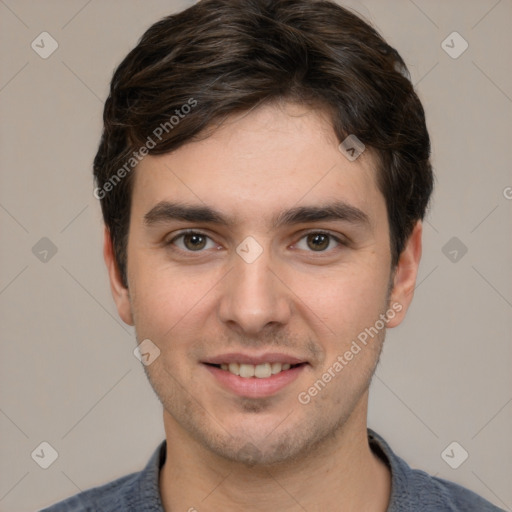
(254, 297)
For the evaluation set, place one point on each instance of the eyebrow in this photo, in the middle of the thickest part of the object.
(166, 211)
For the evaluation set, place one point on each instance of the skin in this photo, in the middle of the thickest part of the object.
(226, 452)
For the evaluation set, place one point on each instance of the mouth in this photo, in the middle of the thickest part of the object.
(257, 371)
(255, 377)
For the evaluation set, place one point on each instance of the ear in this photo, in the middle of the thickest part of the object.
(119, 291)
(404, 279)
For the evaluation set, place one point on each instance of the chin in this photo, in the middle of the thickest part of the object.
(260, 454)
(256, 442)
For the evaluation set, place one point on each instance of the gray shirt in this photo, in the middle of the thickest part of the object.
(411, 490)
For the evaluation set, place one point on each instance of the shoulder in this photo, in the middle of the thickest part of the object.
(135, 492)
(105, 498)
(439, 495)
(413, 489)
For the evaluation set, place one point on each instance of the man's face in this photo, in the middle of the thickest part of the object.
(266, 288)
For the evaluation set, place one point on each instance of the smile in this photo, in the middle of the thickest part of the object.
(255, 377)
(259, 371)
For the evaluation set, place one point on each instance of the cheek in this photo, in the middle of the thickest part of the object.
(166, 301)
(346, 302)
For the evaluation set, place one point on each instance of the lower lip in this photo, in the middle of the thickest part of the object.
(253, 387)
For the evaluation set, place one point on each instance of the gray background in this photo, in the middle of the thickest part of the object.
(68, 373)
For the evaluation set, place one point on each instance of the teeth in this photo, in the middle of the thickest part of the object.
(246, 370)
(276, 368)
(234, 368)
(263, 371)
(260, 371)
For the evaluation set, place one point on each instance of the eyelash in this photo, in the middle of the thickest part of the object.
(171, 242)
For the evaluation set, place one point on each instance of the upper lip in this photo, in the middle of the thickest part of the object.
(269, 357)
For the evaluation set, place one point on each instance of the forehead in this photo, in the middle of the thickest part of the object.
(257, 163)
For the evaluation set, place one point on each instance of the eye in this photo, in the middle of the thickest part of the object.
(192, 241)
(318, 241)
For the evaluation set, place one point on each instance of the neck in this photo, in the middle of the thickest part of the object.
(341, 473)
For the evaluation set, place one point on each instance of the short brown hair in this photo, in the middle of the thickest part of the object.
(227, 56)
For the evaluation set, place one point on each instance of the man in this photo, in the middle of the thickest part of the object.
(263, 174)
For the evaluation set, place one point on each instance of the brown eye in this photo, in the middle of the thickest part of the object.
(194, 241)
(318, 241)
